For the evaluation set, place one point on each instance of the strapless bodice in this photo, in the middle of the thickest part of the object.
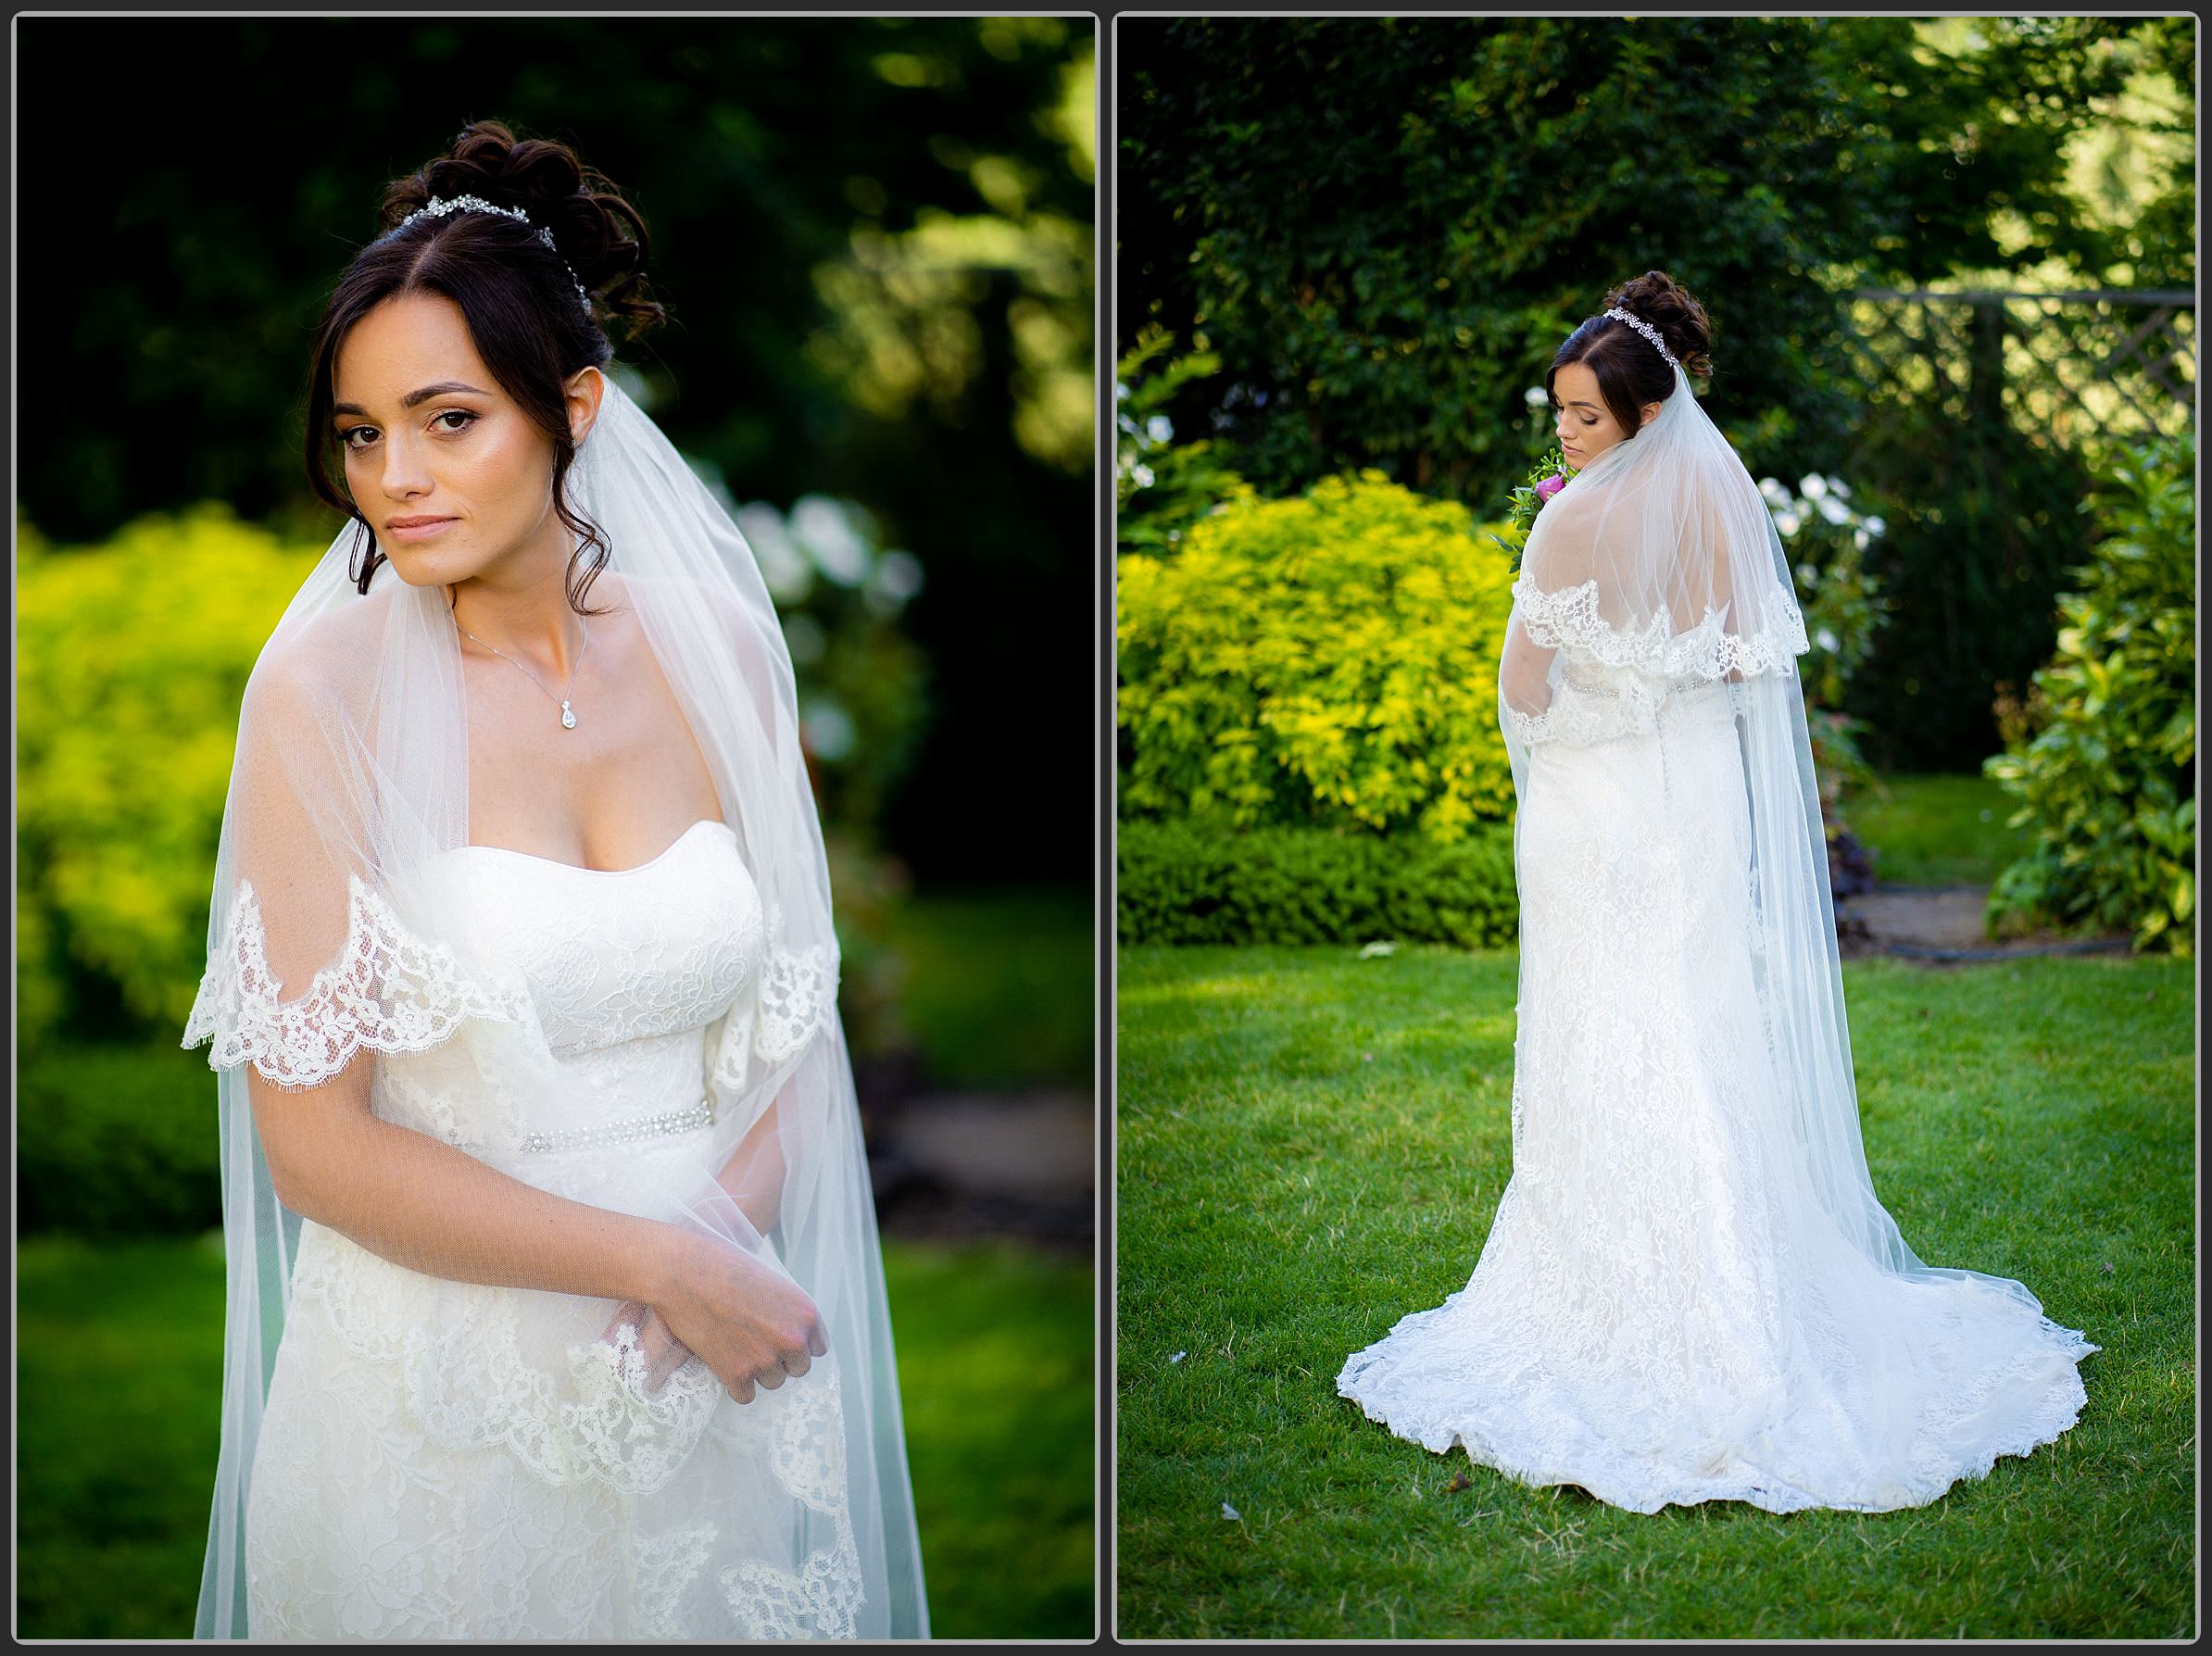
(613, 955)
(618, 974)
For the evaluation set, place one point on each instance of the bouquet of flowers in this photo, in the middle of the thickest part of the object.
(1546, 479)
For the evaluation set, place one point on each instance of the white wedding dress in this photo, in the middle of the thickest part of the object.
(1663, 1311)
(523, 1485)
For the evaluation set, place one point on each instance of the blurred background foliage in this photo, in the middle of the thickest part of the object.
(1348, 246)
(875, 238)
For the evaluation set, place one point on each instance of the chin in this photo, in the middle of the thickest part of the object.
(419, 566)
(415, 572)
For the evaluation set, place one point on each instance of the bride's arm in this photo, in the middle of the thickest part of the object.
(754, 1174)
(1525, 672)
(432, 1207)
(435, 1208)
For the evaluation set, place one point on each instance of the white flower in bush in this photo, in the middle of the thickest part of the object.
(823, 527)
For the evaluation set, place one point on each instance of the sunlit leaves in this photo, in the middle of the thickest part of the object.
(1331, 659)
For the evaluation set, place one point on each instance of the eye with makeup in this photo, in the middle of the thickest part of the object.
(346, 437)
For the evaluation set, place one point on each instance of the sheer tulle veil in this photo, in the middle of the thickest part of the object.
(331, 941)
(1660, 555)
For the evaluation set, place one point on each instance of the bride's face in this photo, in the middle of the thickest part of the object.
(454, 476)
(1586, 428)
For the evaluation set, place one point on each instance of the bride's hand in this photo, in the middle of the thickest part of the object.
(664, 1353)
(745, 1320)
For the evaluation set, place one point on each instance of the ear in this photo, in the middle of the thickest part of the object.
(1648, 413)
(584, 389)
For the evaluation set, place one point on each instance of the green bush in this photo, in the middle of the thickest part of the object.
(130, 660)
(117, 1141)
(2104, 752)
(1181, 882)
(1328, 661)
(1160, 487)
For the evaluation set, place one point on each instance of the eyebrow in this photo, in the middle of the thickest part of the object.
(1592, 407)
(413, 398)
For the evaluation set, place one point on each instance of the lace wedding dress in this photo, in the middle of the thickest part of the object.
(536, 1489)
(1664, 1311)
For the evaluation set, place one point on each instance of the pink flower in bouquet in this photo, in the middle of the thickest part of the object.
(1548, 487)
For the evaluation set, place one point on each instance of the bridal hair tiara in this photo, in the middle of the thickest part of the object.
(437, 207)
(1641, 327)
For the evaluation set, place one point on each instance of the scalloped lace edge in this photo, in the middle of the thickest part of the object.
(1568, 618)
(1584, 1459)
(796, 996)
(389, 991)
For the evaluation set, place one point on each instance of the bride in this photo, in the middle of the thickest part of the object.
(556, 1308)
(1689, 1291)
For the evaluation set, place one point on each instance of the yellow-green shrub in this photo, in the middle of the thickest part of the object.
(1330, 659)
(130, 659)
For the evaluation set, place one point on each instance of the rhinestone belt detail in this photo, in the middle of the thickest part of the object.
(625, 1131)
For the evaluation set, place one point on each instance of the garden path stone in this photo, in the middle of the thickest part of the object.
(1942, 923)
(987, 1163)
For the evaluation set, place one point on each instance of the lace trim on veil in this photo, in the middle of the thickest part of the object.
(773, 1019)
(1568, 619)
(389, 991)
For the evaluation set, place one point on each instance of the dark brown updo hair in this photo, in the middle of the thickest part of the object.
(514, 293)
(1630, 373)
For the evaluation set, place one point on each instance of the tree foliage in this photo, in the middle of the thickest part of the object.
(1384, 226)
(2103, 754)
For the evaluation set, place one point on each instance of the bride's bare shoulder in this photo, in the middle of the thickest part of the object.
(331, 657)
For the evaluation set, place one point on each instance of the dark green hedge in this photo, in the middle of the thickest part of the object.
(116, 1141)
(1182, 884)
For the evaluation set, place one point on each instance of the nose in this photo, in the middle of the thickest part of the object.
(405, 475)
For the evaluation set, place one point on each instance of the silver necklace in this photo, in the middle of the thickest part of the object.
(567, 714)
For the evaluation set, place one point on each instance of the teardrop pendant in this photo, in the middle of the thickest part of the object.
(568, 718)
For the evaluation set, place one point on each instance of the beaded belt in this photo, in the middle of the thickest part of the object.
(626, 1130)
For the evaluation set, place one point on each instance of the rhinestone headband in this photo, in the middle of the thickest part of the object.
(437, 207)
(1649, 331)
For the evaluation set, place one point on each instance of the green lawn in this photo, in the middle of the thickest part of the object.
(118, 1375)
(1312, 1145)
(998, 985)
(1937, 829)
